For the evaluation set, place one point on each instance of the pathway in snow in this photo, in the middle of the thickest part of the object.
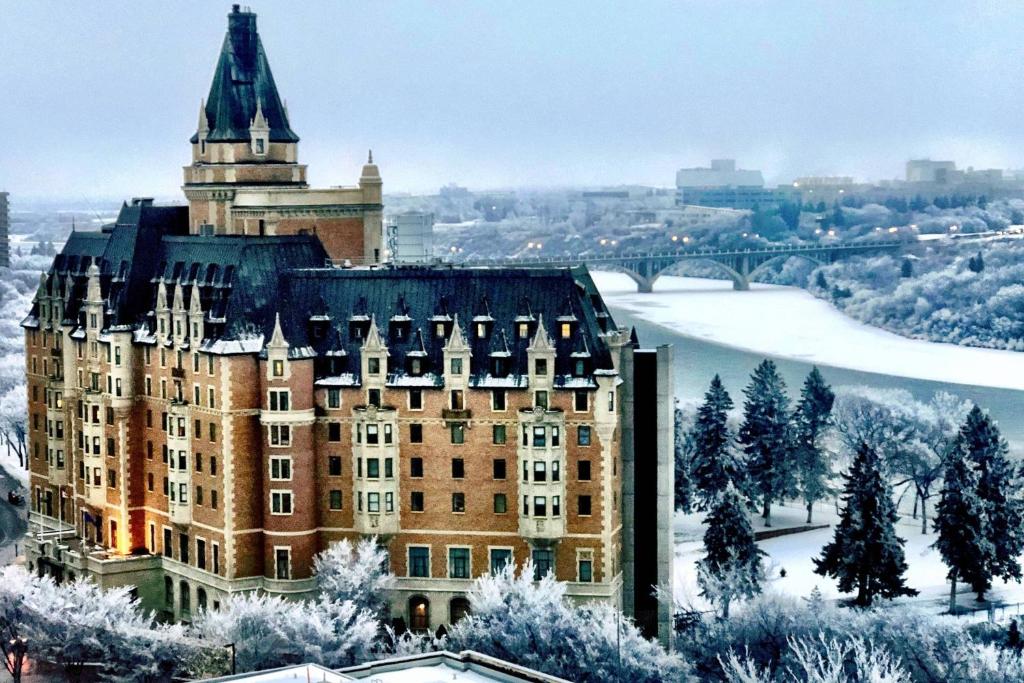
(789, 322)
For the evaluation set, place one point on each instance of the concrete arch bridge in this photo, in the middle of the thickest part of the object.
(739, 264)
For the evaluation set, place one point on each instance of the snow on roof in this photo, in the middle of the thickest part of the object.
(426, 380)
(489, 381)
(345, 379)
(226, 347)
(303, 673)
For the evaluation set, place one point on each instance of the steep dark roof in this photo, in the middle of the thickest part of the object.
(352, 295)
(241, 78)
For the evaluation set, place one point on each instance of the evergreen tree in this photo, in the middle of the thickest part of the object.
(684, 447)
(865, 554)
(961, 523)
(819, 281)
(766, 439)
(984, 446)
(731, 566)
(838, 219)
(713, 465)
(907, 268)
(821, 208)
(976, 263)
(811, 420)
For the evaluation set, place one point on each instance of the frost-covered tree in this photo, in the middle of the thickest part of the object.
(865, 554)
(531, 623)
(1000, 492)
(766, 439)
(810, 423)
(270, 631)
(731, 567)
(681, 460)
(823, 660)
(713, 465)
(962, 524)
(355, 572)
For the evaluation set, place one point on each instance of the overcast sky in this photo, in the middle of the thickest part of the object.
(100, 98)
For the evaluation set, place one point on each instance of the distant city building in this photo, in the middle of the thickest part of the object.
(724, 185)
(410, 236)
(5, 230)
(928, 171)
(823, 181)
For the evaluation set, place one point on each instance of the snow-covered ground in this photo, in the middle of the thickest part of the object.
(794, 554)
(788, 322)
(9, 464)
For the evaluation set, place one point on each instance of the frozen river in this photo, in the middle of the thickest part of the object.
(717, 330)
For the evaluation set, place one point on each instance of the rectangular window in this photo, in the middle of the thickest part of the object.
(583, 506)
(334, 465)
(543, 562)
(540, 366)
(539, 437)
(456, 366)
(416, 468)
(498, 434)
(200, 553)
(199, 495)
(334, 398)
(373, 366)
(556, 436)
(168, 544)
(419, 561)
(388, 434)
(335, 499)
(583, 470)
(416, 501)
(389, 470)
(280, 399)
(415, 433)
(499, 468)
(540, 399)
(280, 435)
(580, 402)
(498, 399)
(458, 468)
(183, 545)
(216, 559)
(415, 399)
(585, 569)
(540, 506)
(278, 368)
(500, 503)
(458, 563)
(458, 433)
(213, 432)
(499, 558)
(373, 468)
(213, 499)
(334, 431)
(373, 502)
(282, 563)
(583, 435)
(281, 502)
(540, 470)
(213, 465)
(281, 469)
(458, 502)
(373, 397)
(372, 434)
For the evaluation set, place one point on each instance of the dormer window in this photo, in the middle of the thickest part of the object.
(566, 329)
(456, 366)
(498, 367)
(260, 146)
(415, 367)
(524, 330)
(373, 366)
(439, 330)
(540, 366)
(579, 368)
(481, 330)
(278, 368)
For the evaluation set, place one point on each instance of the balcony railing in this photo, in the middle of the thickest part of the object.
(458, 415)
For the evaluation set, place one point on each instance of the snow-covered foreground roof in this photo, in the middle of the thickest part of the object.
(306, 673)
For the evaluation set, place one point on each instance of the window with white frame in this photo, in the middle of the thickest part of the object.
(280, 435)
(281, 468)
(281, 502)
(280, 399)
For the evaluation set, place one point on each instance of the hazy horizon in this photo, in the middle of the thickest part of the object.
(532, 95)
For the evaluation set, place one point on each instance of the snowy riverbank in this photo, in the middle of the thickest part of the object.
(788, 322)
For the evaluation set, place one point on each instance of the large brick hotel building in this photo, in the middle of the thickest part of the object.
(218, 391)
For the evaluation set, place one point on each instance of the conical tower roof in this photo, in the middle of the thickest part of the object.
(242, 82)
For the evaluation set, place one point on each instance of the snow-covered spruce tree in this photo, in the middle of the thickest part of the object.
(270, 631)
(984, 446)
(766, 438)
(532, 623)
(810, 423)
(865, 554)
(713, 465)
(731, 567)
(682, 457)
(962, 525)
(355, 572)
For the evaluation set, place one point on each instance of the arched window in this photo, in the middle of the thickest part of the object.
(419, 613)
(186, 597)
(458, 608)
(168, 592)
(201, 598)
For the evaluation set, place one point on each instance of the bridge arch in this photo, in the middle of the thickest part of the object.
(740, 282)
(813, 260)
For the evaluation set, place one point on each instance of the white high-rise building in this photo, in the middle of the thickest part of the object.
(410, 236)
